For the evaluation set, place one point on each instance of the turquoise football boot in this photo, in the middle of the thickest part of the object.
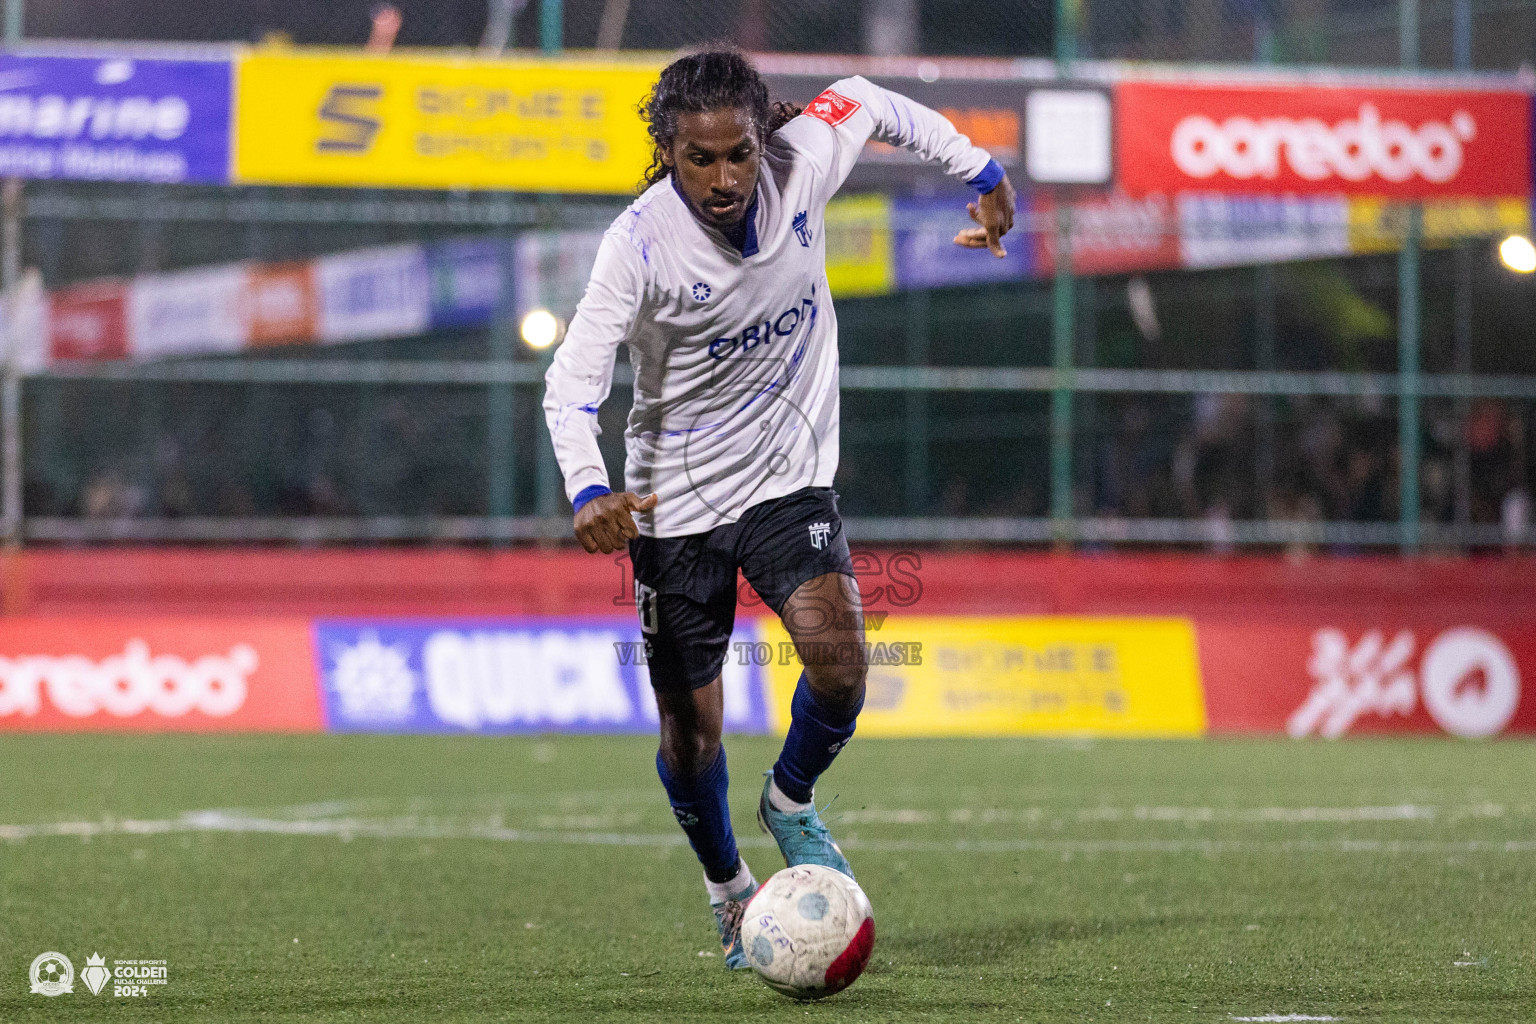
(802, 837)
(728, 924)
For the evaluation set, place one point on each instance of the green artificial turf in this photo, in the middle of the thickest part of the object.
(441, 879)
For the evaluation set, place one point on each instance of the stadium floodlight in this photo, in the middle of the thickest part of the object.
(1518, 254)
(541, 329)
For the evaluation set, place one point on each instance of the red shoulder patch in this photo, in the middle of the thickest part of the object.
(832, 107)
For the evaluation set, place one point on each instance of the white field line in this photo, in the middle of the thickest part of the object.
(1278, 1017)
(347, 828)
(1180, 815)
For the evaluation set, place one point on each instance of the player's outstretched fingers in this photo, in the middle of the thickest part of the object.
(995, 241)
(972, 238)
(986, 236)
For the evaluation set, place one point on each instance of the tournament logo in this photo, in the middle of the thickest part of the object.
(701, 291)
(95, 974)
(802, 230)
(52, 975)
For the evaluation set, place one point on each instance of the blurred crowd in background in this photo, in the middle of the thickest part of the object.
(110, 450)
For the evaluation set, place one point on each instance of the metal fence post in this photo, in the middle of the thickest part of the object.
(1461, 60)
(1265, 329)
(501, 471)
(11, 511)
(1265, 326)
(552, 26)
(1408, 324)
(917, 312)
(1063, 309)
(548, 481)
(1063, 334)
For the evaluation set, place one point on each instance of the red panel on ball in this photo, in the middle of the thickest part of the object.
(850, 963)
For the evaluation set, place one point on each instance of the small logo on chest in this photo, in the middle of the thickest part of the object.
(802, 229)
(701, 291)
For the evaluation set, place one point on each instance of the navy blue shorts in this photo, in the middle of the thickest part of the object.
(685, 587)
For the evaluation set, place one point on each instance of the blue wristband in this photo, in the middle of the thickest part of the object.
(989, 177)
(586, 495)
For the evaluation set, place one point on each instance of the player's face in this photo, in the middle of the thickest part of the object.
(715, 156)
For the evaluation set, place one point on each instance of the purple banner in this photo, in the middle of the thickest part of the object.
(525, 675)
(115, 119)
(926, 254)
(469, 279)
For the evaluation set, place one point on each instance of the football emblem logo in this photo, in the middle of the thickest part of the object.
(52, 975)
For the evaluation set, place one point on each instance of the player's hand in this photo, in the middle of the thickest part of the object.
(994, 212)
(606, 522)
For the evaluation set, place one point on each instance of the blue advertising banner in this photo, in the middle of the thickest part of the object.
(926, 254)
(115, 118)
(525, 675)
(468, 277)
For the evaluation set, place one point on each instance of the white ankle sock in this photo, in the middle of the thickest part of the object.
(782, 803)
(719, 892)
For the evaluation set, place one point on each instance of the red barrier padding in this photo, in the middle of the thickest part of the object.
(455, 581)
(1320, 647)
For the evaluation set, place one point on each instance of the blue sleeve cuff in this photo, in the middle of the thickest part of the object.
(989, 177)
(587, 494)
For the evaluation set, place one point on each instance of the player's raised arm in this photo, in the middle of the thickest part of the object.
(856, 109)
(576, 386)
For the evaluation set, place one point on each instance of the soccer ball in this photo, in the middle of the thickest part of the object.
(809, 931)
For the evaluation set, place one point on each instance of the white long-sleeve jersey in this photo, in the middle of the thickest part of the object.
(734, 351)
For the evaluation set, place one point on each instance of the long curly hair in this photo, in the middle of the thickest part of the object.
(713, 79)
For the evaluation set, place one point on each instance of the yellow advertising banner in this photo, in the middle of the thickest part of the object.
(859, 258)
(407, 121)
(963, 676)
(1377, 225)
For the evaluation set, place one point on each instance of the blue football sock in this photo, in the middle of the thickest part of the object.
(816, 734)
(699, 805)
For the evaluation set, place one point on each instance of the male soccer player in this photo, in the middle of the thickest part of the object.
(715, 278)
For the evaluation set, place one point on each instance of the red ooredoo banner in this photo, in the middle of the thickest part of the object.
(1396, 143)
(1333, 678)
(146, 675)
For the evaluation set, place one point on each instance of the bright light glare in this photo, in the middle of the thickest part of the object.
(541, 329)
(1518, 254)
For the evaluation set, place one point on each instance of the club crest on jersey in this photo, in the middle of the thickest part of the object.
(701, 291)
(802, 229)
(819, 534)
(832, 107)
